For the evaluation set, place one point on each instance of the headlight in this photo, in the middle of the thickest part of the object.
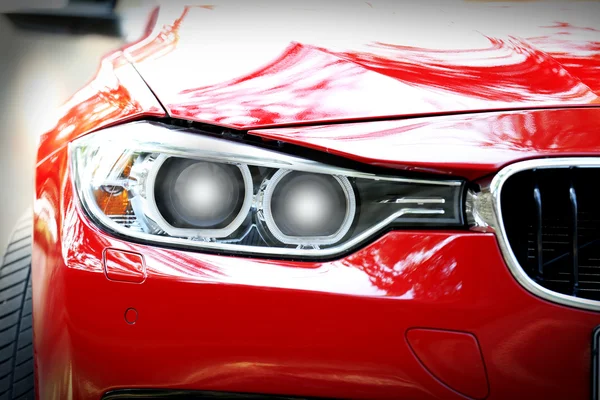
(171, 185)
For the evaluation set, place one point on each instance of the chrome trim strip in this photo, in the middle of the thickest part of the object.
(497, 223)
(414, 200)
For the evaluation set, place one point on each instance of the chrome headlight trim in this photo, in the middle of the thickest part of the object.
(485, 214)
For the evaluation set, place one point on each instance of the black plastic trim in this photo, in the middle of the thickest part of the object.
(574, 238)
(538, 241)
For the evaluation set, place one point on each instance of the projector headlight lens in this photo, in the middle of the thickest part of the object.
(191, 194)
(309, 208)
(163, 184)
(206, 194)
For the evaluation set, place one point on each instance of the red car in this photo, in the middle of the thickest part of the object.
(275, 201)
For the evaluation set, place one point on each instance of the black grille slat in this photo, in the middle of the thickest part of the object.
(574, 238)
(552, 221)
(539, 237)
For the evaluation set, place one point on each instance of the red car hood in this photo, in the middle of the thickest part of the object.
(269, 66)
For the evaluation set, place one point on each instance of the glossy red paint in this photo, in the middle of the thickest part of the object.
(452, 357)
(331, 329)
(467, 145)
(575, 48)
(116, 94)
(249, 66)
(124, 266)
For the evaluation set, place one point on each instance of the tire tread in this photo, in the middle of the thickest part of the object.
(16, 348)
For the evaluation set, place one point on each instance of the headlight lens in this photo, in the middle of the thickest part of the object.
(200, 195)
(306, 208)
(171, 185)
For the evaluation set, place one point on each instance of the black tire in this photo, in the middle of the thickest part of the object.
(16, 346)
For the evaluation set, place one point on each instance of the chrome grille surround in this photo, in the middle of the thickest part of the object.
(484, 213)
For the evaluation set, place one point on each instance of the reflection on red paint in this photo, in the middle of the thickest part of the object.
(116, 94)
(299, 79)
(507, 71)
(577, 49)
(464, 145)
(124, 266)
(161, 44)
(422, 269)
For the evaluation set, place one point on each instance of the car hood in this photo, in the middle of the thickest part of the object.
(267, 65)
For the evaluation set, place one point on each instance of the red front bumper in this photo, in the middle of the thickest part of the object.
(333, 329)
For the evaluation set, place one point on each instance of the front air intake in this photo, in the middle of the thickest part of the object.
(551, 217)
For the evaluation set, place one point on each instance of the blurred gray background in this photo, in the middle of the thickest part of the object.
(44, 59)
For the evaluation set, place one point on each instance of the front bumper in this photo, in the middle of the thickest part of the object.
(333, 329)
